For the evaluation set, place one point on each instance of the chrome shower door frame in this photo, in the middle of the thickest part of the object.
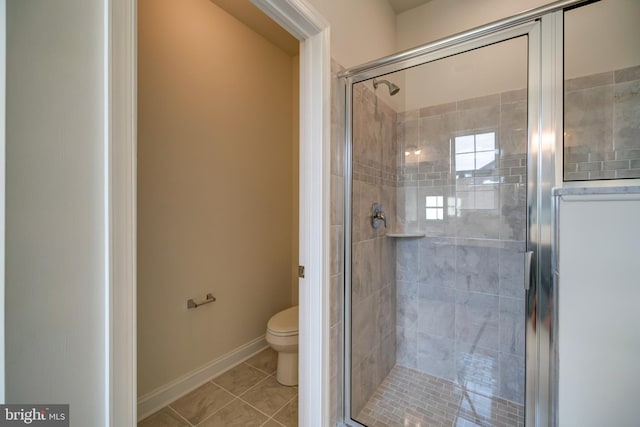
(543, 28)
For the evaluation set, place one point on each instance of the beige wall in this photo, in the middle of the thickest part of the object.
(613, 46)
(601, 37)
(361, 30)
(456, 77)
(295, 173)
(441, 18)
(55, 239)
(492, 69)
(215, 185)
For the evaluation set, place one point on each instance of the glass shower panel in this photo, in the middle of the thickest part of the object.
(602, 91)
(437, 288)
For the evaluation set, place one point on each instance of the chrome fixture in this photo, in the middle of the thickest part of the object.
(393, 89)
(192, 304)
(528, 258)
(543, 28)
(377, 215)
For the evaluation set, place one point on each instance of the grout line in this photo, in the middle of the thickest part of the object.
(275, 421)
(178, 414)
(234, 398)
(253, 386)
(291, 400)
(264, 413)
(231, 392)
(399, 378)
(259, 410)
(257, 368)
(220, 409)
(283, 406)
(262, 371)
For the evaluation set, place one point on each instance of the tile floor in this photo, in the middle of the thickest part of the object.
(245, 396)
(408, 398)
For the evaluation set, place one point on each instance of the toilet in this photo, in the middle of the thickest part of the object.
(282, 336)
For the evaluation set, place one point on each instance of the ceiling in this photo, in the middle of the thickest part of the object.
(400, 6)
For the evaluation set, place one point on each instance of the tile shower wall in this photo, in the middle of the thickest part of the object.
(460, 297)
(602, 126)
(373, 304)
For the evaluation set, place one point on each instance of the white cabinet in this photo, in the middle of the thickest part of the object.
(599, 309)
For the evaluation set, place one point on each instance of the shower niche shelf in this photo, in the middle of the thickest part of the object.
(405, 235)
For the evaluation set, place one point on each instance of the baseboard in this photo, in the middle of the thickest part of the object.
(162, 396)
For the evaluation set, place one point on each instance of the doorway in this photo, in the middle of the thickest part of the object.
(217, 190)
(443, 183)
(306, 26)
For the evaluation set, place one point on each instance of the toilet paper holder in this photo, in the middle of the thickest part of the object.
(192, 304)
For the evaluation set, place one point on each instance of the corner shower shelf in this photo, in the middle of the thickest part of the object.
(401, 235)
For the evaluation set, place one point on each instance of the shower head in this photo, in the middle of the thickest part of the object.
(393, 89)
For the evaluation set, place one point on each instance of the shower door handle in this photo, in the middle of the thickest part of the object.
(528, 263)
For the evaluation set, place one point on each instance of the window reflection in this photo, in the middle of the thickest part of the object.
(473, 153)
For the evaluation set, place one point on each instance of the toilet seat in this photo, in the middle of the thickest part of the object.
(285, 323)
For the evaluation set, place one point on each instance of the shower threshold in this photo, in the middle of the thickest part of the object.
(409, 398)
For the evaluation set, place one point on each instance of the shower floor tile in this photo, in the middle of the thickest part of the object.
(246, 395)
(408, 398)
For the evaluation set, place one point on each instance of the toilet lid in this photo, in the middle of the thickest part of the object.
(285, 322)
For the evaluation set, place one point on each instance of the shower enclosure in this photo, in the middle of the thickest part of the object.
(452, 152)
(444, 231)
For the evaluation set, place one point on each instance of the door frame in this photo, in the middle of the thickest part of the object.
(308, 26)
(3, 193)
(529, 29)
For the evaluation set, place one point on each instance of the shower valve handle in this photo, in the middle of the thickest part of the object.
(377, 215)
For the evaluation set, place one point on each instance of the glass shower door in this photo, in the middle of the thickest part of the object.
(438, 235)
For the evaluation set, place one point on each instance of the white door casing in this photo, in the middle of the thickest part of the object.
(3, 98)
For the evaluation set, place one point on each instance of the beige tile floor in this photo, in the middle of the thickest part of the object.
(245, 396)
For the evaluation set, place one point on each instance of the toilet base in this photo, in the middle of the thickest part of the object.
(287, 373)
